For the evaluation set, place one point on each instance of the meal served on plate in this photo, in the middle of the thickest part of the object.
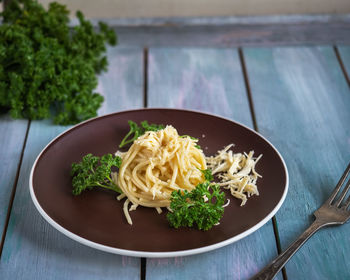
(162, 169)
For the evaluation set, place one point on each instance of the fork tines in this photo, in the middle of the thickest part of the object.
(343, 194)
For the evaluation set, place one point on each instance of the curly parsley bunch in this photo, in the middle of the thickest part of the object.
(46, 68)
(203, 206)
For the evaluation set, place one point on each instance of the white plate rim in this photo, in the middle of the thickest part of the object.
(147, 254)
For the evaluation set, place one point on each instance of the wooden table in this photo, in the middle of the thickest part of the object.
(297, 97)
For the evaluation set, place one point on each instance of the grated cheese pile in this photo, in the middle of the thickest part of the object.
(236, 172)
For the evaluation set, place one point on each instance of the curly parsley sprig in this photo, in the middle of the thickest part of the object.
(94, 171)
(202, 207)
(136, 131)
(48, 69)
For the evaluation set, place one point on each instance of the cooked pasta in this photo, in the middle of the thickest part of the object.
(156, 164)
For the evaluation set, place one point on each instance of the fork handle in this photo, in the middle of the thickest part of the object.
(270, 271)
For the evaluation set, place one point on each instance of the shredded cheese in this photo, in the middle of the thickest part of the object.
(236, 172)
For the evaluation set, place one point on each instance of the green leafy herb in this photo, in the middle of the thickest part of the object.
(94, 171)
(208, 176)
(136, 131)
(203, 206)
(193, 138)
(47, 68)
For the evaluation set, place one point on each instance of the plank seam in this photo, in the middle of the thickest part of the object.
(145, 104)
(143, 268)
(13, 192)
(278, 244)
(145, 77)
(247, 86)
(342, 66)
(255, 125)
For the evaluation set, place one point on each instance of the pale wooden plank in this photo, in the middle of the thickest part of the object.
(209, 80)
(12, 135)
(35, 250)
(225, 20)
(234, 35)
(344, 52)
(302, 103)
(122, 85)
(233, 31)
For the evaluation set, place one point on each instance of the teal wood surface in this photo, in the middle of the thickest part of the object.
(345, 57)
(209, 80)
(302, 102)
(33, 249)
(12, 134)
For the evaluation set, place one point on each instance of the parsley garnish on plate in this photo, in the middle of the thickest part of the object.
(94, 171)
(202, 207)
(136, 131)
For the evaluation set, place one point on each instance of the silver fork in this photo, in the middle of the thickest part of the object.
(332, 212)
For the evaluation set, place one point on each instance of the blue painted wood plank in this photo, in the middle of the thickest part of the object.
(35, 250)
(209, 80)
(345, 57)
(12, 134)
(302, 103)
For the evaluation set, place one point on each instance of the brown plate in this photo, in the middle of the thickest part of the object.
(96, 219)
